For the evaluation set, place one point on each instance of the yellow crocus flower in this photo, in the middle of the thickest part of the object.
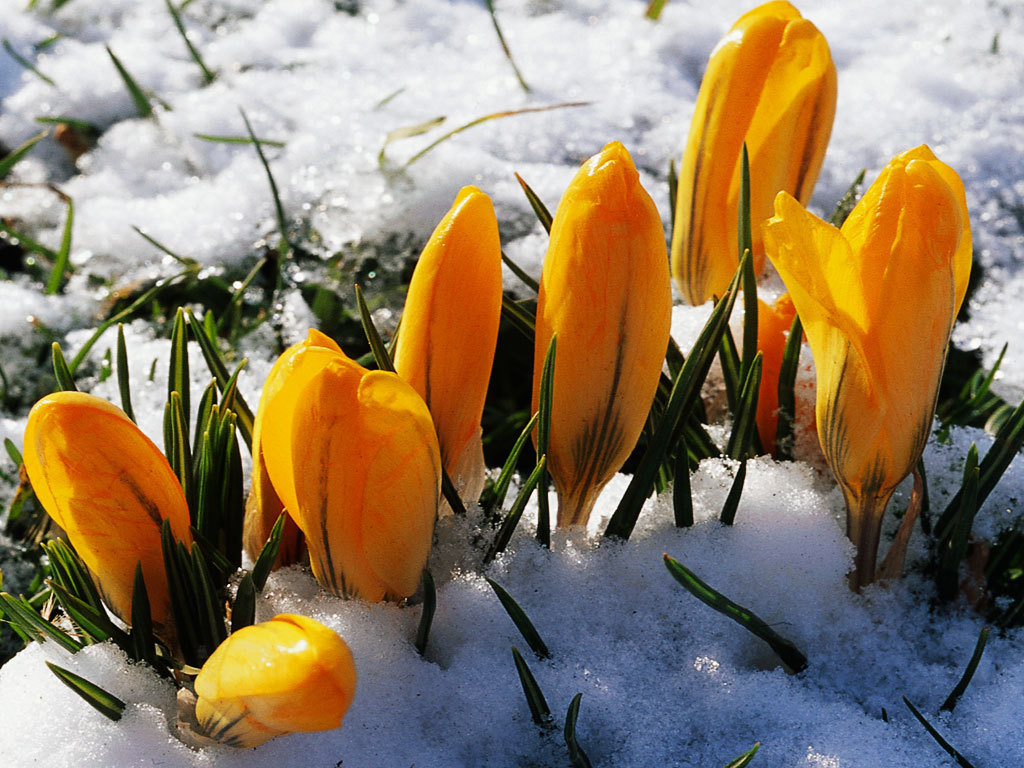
(605, 290)
(877, 300)
(354, 457)
(110, 488)
(449, 331)
(771, 83)
(280, 676)
(264, 506)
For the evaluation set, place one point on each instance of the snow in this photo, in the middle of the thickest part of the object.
(665, 680)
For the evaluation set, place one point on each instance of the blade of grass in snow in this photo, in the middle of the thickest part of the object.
(518, 317)
(138, 96)
(82, 126)
(237, 140)
(745, 423)
(8, 162)
(682, 498)
(744, 760)
(494, 497)
(504, 534)
(577, 757)
(519, 272)
(654, 9)
(388, 99)
(504, 46)
(521, 620)
(243, 609)
(104, 702)
(962, 761)
(539, 710)
(405, 132)
(268, 554)
(673, 191)
(954, 696)
(208, 76)
(544, 404)
(285, 246)
(184, 260)
(427, 614)
(25, 63)
(65, 380)
(953, 547)
(492, 116)
(791, 656)
(228, 324)
(62, 258)
(784, 436)
(847, 201)
(541, 210)
(732, 501)
(123, 381)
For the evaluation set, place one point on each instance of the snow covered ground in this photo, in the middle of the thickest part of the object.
(665, 680)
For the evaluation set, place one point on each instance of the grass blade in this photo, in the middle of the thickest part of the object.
(846, 202)
(512, 519)
(25, 64)
(123, 382)
(653, 12)
(791, 656)
(541, 210)
(486, 118)
(243, 610)
(953, 547)
(732, 501)
(744, 760)
(962, 761)
(577, 757)
(682, 497)
(208, 76)
(139, 98)
(427, 615)
(406, 132)
(285, 247)
(545, 400)
(784, 434)
(143, 643)
(65, 381)
(268, 554)
(495, 496)
(377, 345)
(519, 318)
(8, 162)
(954, 696)
(237, 140)
(62, 258)
(104, 702)
(521, 620)
(504, 46)
(521, 273)
(539, 710)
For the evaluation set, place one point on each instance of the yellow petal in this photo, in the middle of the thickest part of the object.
(771, 83)
(449, 327)
(605, 291)
(109, 487)
(264, 506)
(284, 675)
(364, 466)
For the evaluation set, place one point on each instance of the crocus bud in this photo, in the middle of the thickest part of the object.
(773, 323)
(280, 676)
(449, 331)
(877, 300)
(771, 83)
(354, 457)
(264, 506)
(605, 290)
(109, 487)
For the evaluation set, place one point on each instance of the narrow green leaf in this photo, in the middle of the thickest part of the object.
(63, 256)
(268, 554)
(427, 614)
(682, 498)
(784, 434)
(139, 98)
(13, 452)
(744, 760)
(228, 322)
(177, 372)
(68, 570)
(237, 140)
(732, 375)
(65, 381)
(962, 761)
(742, 437)
(285, 247)
(846, 202)
(22, 614)
(519, 272)
(732, 501)
(539, 710)
(653, 12)
(673, 182)
(123, 381)
(954, 696)
(953, 547)
(143, 642)
(486, 118)
(521, 620)
(90, 130)
(541, 210)
(544, 405)
(181, 458)
(243, 610)
(495, 496)
(685, 391)
(94, 625)
(8, 162)
(577, 757)
(208, 76)
(377, 346)
(406, 132)
(25, 64)
(164, 249)
(504, 46)
(504, 534)
(210, 608)
(791, 656)
(179, 588)
(104, 702)
(516, 316)
(451, 493)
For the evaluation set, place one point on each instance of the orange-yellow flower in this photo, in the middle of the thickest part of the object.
(771, 83)
(773, 324)
(354, 457)
(109, 487)
(264, 506)
(605, 290)
(877, 300)
(449, 331)
(280, 676)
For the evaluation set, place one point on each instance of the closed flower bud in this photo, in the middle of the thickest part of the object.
(449, 331)
(264, 506)
(771, 83)
(280, 676)
(877, 300)
(354, 458)
(109, 487)
(605, 290)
